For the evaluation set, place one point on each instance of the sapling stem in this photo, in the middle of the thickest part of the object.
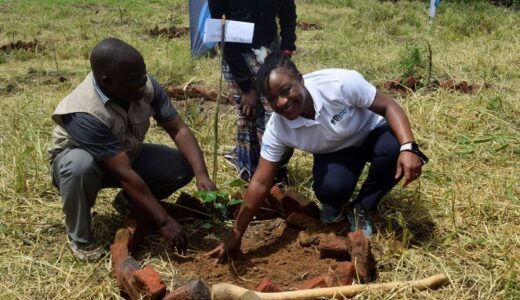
(215, 123)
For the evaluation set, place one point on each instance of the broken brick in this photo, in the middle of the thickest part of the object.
(267, 286)
(334, 247)
(293, 201)
(149, 283)
(361, 256)
(316, 282)
(181, 212)
(193, 290)
(344, 274)
(302, 221)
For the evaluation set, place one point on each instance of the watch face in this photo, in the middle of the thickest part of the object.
(415, 147)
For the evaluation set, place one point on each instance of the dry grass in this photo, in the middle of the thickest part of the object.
(462, 218)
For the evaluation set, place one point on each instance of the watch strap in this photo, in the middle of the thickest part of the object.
(414, 148)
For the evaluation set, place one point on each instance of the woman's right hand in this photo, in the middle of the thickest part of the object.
(226, 250)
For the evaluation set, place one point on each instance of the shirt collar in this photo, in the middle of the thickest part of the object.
(104, 98)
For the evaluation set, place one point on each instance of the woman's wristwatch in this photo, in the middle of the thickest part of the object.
(414, 148)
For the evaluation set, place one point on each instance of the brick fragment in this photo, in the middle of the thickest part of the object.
(180, 212)
(316, 282)
(186, 200)
(193, 290)
(361, 256)
(267, 286)
(293, 201)
(344, 274)
(334, 247)
(149, 283)
(302, 221)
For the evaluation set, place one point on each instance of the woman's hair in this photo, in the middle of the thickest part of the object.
(274, 60)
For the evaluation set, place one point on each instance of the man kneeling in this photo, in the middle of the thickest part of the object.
(98, 143)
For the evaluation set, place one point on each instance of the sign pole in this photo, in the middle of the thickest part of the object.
(219, 96)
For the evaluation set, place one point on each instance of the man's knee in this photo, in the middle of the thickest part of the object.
(78, 165)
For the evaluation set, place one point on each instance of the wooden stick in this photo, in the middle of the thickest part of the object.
(215, 123)
(226, 291)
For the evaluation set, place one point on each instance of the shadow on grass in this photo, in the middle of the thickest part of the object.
(405, 216)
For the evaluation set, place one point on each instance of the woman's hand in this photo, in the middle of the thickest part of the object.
(409, 167)
(226, 250)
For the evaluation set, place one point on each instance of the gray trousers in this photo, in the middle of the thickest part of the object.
(79, 178)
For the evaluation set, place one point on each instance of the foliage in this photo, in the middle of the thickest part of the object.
(219, 202)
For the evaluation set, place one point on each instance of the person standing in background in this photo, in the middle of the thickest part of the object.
(275, 29)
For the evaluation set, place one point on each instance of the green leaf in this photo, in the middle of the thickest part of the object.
(206, 196)
(235, 202)
(222, 194)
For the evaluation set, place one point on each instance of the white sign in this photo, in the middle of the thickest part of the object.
(237, 32)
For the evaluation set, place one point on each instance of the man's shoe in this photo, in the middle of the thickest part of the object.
(330, 215)
(122, 205)
(358, 219)
(87, 252)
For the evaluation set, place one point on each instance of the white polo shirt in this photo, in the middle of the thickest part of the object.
(341, 101)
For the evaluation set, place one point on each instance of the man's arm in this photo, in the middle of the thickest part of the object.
(137, 190)
(409, 164)
(188, 146)
(258, 189)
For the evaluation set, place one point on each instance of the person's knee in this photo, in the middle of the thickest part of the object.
(80, 167)
(333, 191)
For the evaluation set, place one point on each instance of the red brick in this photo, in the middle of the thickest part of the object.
(267, 286)
(302, 221)
(295, 201)
(149, 283)
(316, 282)
(193, 290)
(334, 247)
(361, 256)
(344, 274)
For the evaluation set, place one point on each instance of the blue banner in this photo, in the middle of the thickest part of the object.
(199, 12)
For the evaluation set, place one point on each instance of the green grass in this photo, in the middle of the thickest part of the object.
(462, 218)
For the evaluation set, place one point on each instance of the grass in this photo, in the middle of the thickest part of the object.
(462, 218)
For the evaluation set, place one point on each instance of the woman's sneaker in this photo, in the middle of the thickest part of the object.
(330, 215)
(87, 252)
(358, 220)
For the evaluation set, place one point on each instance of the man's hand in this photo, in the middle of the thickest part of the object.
(225, 250)
(409, 166)
(174, 235)
(248, 103)
(205, 184)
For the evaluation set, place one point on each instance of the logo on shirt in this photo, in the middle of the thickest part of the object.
(265, 147)
(337, 117)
